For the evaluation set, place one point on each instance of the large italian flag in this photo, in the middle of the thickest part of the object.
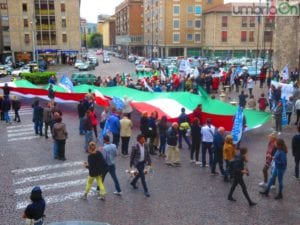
(165, 103)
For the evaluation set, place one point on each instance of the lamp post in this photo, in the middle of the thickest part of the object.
(33, 41)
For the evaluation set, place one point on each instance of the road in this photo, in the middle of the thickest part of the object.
(185, 195)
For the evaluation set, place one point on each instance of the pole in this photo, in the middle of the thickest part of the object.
(257, 44)
(33, 42)
(152, 9)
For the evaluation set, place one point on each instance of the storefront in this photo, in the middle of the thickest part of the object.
(68, 56)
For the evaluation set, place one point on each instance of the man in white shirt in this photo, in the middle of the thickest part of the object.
(207, 140)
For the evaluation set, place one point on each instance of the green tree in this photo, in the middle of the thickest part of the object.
(95, 40)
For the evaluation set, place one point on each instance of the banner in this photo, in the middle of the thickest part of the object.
(237, 128)
(284, 118)
(66, 83)
(287, 90)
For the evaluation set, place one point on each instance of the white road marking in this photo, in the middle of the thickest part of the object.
(22, 138)
(31, 132)
(21, 191)
(49, 176)
(48, 167)
(22, 129)
(19, 126)
(57, 198)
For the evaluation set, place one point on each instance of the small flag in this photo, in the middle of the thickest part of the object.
(147, 86)
(66, 83)
(284, 118)
(119, 104)
(101, 99)
(237, 128)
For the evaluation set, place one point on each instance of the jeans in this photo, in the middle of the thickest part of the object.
(182, 134)
(38, 127)
(116, 139)
(297, 160)
(61, 148)
(89, 184)
(277, 172)
(47, 124)
(218, 159)
(140, 167)
(125, 143)
(195, 150)
(81, 132)
(6, 116)
(112, 171)
(88, 138)
(163, 141)
(207, 146)
(228, 170)
(55, 149)
(17, 116)
(151, 145)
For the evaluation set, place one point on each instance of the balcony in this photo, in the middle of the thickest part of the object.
(43, 12)
(46, 27)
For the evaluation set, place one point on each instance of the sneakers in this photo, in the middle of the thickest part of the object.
(84, 196)
(262, 184)
(214, 173)
(119, 193)
(198, 163)
(273, 187)
(192, 161)
(101, 197)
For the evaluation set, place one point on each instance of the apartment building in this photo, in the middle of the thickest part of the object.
(129, 27)
(174, 27)
(5, 49)
(48, 29)
(109, 34)
(236, 36)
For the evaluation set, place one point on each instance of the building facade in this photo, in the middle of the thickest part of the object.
(5, 49)
(129, 27)
(109, 34)
(236, 36)
(174, 27)
(48, 29)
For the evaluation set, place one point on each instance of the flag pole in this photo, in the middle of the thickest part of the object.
(258, 32)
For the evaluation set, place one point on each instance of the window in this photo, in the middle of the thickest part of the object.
(198, 10)
(190, 9)
(25, 22)
(190, 23)
(197, 37)
(176, 37)
(198, 24)
(64, 38)
(268, 36)
(62, 7)
(176, 24)
(251, 36)
(243, 36)
(224, 21)
(24, 7)
(176, 9)
(189, 37)
(224, 36)
(63, 23)
(26, 39)
(244, 21)
(252, 21)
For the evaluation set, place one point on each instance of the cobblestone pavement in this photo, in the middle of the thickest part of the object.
(184, 195)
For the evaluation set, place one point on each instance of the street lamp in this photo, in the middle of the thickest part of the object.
(33, 41)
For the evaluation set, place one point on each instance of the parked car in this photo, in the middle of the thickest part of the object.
(99, 52)
(142, 68)
(94, 61)
(24, 69)
(86, 66)
(3, 71)
(78, 62)
(83, 78)
(106, 59)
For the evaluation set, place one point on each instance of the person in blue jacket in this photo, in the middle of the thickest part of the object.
(280, 161)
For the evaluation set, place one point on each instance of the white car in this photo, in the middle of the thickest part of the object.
(106, 59)
(78, 63)
(24, 69)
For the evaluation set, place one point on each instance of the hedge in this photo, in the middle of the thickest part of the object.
(38, 77)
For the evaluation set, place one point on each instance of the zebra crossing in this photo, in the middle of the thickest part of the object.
(23, 111)
(59, 182)
(20, 132)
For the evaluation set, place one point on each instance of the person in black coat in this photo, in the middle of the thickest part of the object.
(16, 105)
(196, 140)
(238, 172)
(38, 115)
(6, 90)
(296, 151)
(97, 167)
(218, 144)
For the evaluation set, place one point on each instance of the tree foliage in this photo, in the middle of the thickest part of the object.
(95, 40)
